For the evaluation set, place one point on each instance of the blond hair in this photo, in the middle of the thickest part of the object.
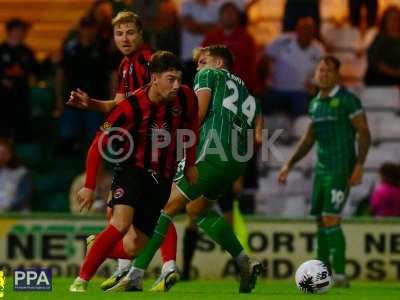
(124, 17)
(197, 52)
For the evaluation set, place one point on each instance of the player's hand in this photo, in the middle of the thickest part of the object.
(79, 99)
(85, 198)
(191, 174)
(357, 175)
(283, 174)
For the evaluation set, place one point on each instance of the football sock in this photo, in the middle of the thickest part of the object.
(322, 246)
(123, 264)
(189, 247)
(168, 247)
(118, 251)
(337, 247)
(99, 251)
(145, 257)
(220, 231)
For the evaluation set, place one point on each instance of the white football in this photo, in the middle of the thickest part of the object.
(313, 276)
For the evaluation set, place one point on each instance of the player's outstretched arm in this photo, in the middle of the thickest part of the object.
(80, 99)
(303, 147)
(360, 125)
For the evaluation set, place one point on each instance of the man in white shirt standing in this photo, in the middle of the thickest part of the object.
(197, 18)
(292, 59)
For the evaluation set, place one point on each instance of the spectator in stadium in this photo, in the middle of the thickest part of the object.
(232, 34)
(384, 52)
(297, 9)
(385, 200)
(84, 65)
(356, 7)
(291, 60)
(101, 192)
(15, 180)
(349, 44)
(167, 28)
(17, 69)
(197, 17)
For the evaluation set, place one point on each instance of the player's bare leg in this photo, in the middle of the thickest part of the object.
(102, 247)
(133, 242)
(213, 224)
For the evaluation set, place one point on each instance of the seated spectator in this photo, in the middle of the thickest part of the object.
(297, 9)
(291, 60)
(349, 44)
(384, 52)
(355, 8)
(15, 180)
(17, 69)
(233, 35)
(167, 28)
(197, 18)
(84, 65)
(385, 200)
(103, 187)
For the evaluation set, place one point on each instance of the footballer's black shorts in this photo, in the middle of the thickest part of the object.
(225, 202)
(147, 193)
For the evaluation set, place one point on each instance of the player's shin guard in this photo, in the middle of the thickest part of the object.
(189, 247)
(168, 247)
(322, 246)
(220, 231)
(145, 257)
(337, 247)
(99, 251)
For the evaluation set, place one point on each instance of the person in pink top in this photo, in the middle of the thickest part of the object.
(385, 200)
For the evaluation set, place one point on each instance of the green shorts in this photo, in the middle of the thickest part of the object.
(330, 193)
(214, 179)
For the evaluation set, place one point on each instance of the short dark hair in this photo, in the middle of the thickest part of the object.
(390, 173)
(162, 61)
(16, 23)
(9, 144)
(330, 59)
(227, 5)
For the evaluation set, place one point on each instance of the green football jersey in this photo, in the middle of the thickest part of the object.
(231, 113)
(334, 133)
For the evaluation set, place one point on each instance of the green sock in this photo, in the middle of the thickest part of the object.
(147, 254)
(220, 231)
(337, 247)
(322, 246)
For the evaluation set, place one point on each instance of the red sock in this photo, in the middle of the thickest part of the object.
(118, 251)
(168, 247)
(102, 246)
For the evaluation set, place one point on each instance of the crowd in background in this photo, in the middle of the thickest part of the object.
(280, 74)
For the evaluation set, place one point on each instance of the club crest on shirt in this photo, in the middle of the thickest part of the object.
(130, 69)
(106, 126)
(176, 111)
(334, 103)
(118, 193)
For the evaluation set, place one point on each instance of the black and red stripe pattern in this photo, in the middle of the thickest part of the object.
(133, 71)
(143, 119)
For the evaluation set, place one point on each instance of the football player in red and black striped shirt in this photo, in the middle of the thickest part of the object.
(142, 180)
(133, 73)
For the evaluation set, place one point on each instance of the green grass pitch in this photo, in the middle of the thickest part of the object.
(212, 290)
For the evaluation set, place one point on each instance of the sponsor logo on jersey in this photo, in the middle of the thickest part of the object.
(176, 111)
